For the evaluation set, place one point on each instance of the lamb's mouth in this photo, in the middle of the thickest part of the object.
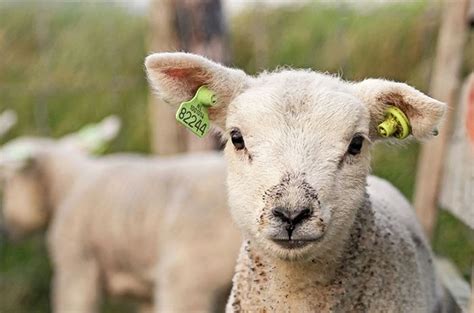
(293, 244)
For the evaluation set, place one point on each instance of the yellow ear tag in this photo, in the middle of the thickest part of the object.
(396, 124)
(193, 113)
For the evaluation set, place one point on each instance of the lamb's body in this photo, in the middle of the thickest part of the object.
(139, 223)
(385, 267)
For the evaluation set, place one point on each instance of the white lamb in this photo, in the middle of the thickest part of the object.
(320, 235)
(131, 225)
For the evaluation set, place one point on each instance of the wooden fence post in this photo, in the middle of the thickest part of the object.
(202, 29)
(457, 191)
(166, 135)
(444, 87)
(196, 26)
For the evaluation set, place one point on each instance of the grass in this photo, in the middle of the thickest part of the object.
(24, 276)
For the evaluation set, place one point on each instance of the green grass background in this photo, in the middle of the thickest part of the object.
(65, 65)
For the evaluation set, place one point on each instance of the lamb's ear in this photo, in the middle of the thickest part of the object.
(15, 157)
(175, 77)
(8, 119)
(424, 113)
(94, 138)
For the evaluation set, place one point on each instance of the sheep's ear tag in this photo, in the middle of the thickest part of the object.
(193, 113)
(396, 124)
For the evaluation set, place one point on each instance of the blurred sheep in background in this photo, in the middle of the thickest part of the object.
(130, 225)
(138, 223)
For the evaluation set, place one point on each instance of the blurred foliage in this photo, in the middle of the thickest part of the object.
(25, 276)
(455, 241)
(397, 164)
(395, 41)
(64, 65)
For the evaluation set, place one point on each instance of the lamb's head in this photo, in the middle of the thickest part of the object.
(297, 145)
(25, 206)
(36, 172)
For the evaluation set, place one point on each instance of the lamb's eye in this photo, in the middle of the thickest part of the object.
(355, 145)
(237, 139)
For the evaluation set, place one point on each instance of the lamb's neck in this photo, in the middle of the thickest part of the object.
(299, 275)
(59, 171)
(286, 276)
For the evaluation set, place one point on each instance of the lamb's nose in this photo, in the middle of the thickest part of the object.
(291, 217)
(294, 217)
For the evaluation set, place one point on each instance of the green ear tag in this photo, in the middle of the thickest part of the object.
(193, 113)
(396, 124)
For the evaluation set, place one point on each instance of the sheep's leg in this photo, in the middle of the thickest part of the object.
(181, 285)
(76, 287)
(179, 298)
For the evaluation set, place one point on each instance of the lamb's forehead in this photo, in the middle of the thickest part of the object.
(298, 97)
(290, 77)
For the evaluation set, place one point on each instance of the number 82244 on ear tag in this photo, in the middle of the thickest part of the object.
(193, 113)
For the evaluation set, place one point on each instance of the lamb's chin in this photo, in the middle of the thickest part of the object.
(288, 254)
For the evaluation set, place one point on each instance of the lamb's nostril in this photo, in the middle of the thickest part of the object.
(302, 215)
(292, 217)
(282, 213)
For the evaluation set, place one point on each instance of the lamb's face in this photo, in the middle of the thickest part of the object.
(297, 145)
(24, 202)
(297, 160)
